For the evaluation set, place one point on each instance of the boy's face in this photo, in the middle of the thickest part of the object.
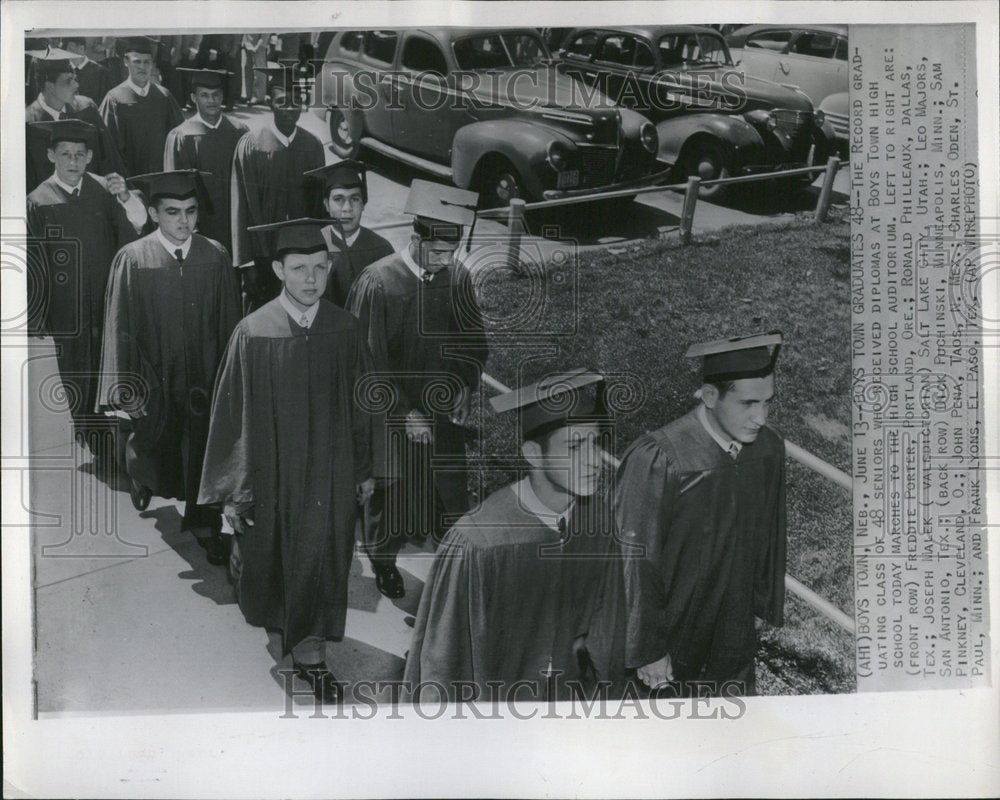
(208, 102)
(743, 410)
(286, 112)
(63, 87)
(435, 254)
(571, 458)
(140, 67)
(70, 160)
(347, 206)
(304, 276)
(175, 218)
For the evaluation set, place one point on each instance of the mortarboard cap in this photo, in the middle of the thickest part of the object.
(66, 130)
(210, 78)
(555, 401)
(303, 235)
(441, 211)
(738, 358)
(177, 185)
(52, 61)
(136, 44)
(346, 174)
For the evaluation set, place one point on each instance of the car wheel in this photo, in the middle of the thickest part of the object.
(705, 159)
(500, 184)
(344, 140)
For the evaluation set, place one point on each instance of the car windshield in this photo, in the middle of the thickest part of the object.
(688, 49)
(500, 51)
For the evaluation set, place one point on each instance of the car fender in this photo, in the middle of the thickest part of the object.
(631, 122)
(521, 142)
(733, 132)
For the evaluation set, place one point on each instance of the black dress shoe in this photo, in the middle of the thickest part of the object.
(141, 495)
(326, 688)
(389, 581)
(216, 548)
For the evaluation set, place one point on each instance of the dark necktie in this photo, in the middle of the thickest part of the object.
(179, 255)
(561, 525)
(75, 192)
(733, 450)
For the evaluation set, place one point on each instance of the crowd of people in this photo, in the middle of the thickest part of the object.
(298, 384)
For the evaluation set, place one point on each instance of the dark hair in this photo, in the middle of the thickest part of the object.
(156, 201)
(542, 434)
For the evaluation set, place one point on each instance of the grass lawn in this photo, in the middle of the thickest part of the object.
(635, 310)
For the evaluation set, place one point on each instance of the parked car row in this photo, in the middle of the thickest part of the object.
(616, 108)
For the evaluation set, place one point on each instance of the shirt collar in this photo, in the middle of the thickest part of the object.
(531, 502)
(412, 265)
(141, 91)
(170, 247)
(285, 140)
(332, 235)
(65, 186)
(199, 118)
(728, 445)
(296, 313)
(47, 108)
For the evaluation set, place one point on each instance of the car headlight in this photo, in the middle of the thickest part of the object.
(818, 119)
(650, 138)
(772, 122)
(556, 155)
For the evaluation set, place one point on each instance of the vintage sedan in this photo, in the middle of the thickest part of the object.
(811, 57)
(483, 108)
(712, 120)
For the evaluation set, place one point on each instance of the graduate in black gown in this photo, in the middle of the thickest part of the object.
(526, 590)
(423, 323)
(172, 303)
(139, 112)
(289, 455)
(94, 79)
(58, 98)
(352, 246)
(704, 499)
(88, 218)
(268, 186)
(207, 142)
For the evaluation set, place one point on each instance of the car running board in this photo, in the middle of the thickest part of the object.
(417, 162)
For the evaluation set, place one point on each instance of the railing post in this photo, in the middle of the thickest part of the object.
(687, 212)
(823, 204)
(515, 229)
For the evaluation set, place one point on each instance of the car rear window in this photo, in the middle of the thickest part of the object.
(769, 40)
(351, 41)
(423, 55)
(498, 51)
(381, 45)
(617, 49)
(819, 45)
(582, 46)
(688, 49)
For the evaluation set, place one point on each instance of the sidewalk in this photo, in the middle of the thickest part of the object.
(131, 617)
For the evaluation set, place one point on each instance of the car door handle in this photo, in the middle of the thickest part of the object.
(784, 66)
(590, 75)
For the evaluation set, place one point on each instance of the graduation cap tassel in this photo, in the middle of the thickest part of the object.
(475, 216)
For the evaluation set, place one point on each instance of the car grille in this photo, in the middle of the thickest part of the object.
(840, 124)
(597, 165)
(792, 122)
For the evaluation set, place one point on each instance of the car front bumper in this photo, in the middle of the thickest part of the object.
(653, 179)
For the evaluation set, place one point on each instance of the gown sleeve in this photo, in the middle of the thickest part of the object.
(109, 116)
(769, 581)
(119, 353)
(644, 491)
(367, 451)
(473, 331)
(226, 473)
(173, 152)
(246, 207)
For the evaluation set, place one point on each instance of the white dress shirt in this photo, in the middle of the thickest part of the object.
(531, 503)
(142, 91)
(49, 109)
(421, 273)
(303, 318)
(199, 118)
(285, 140)
(730, 446)
(171, 248)
(332, 236)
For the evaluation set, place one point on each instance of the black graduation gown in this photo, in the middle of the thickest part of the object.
(95, 81)
(139, 125)
(168, 324)
(505, 599)
(288, 445)
(106, 157)
(89, 229)
(704, 540)
(409, 325)
(347, 262)
(194, 145)
(268, 186)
